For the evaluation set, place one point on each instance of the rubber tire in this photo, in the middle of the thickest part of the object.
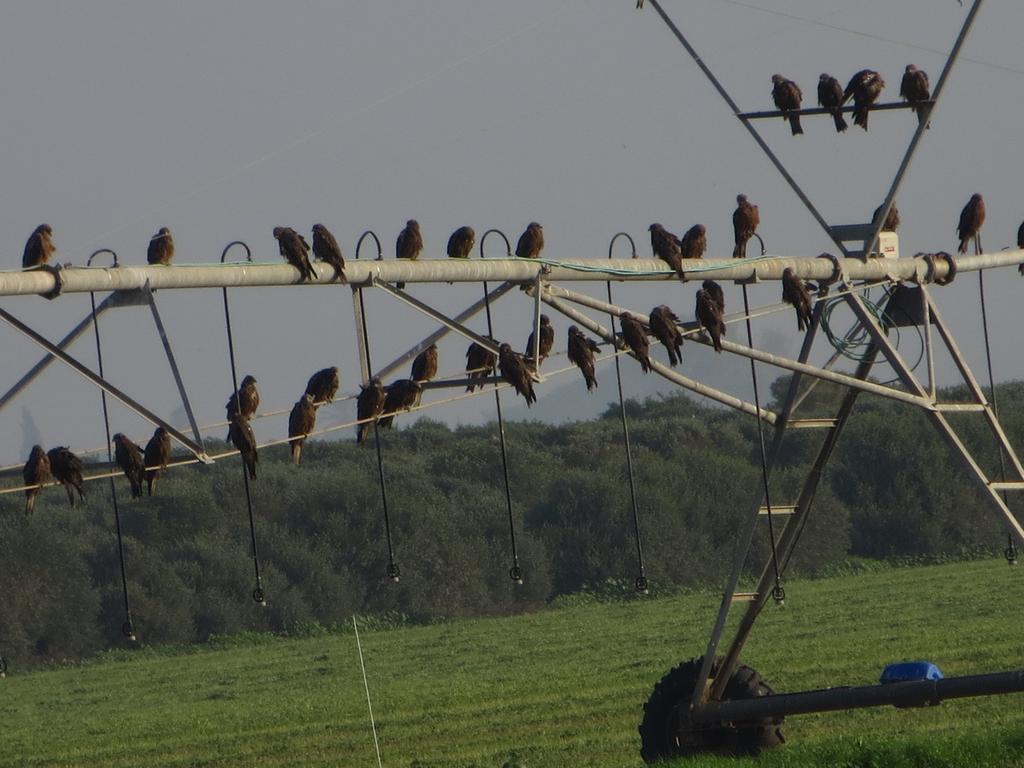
(665, 734)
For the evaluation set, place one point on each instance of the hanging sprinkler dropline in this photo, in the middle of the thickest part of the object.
(128, 627)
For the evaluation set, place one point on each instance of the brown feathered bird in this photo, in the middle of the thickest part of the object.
(531, 242)
(400, 395)
(301, 422)
(709, 315)
(369, 405)
(795, 292)
(424, 367)
(128, 457)
(461, 242)
(294, 248)
(892, 221)
(971, 219)
(156, 456)
(581, 353)
(694, 242)
(323, 385)
(635, 336)
(480, 363)
(547, 341)
(787, 96)
(36, 472)
(161, 248)
(67, 469)
(248, 397)
(714, 290)
(665, 246)
(327, 250)
(745, 219)
(1020, 244)
(663, 325)
(830, 96)
(515, 371)
(244, 439)
(915, 89)
(864, 87)
(39, 247)
(409, 243)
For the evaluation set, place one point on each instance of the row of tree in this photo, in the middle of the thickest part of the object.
(892, 489)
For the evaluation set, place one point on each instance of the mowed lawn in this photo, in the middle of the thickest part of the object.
(560, 688)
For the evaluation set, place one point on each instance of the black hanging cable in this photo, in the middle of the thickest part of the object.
(258, 594)
(393, 571)
(515, 572)
(1010, 553)
(128, 627)
(778, 593)
(640, 583)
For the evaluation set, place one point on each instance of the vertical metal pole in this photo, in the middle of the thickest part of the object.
(515, 572)
(128, 627)
(640, 583)
(173, 363)
(538, 287)
(258, 594)
(393, 571)
(366, 686)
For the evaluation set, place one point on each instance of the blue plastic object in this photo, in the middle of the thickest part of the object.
(910, 670)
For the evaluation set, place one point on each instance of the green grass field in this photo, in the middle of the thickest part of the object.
(559, 688)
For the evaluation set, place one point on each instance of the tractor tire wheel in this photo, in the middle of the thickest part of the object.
(666, 730)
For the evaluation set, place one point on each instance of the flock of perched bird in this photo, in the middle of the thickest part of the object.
(864, 88)
(379, 404)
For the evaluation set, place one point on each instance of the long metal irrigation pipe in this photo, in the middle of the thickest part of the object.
(85, 280)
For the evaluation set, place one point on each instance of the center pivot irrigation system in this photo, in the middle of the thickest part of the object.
(711, 702)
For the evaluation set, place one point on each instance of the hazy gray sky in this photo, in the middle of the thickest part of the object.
(222, 120)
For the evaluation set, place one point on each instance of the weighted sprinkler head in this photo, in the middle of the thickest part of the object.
(779, 595)
(128, 630)
(641, 585)
(516, 574)
(393, 573)
(259, 597)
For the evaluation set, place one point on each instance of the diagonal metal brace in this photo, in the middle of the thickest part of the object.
(99, 381)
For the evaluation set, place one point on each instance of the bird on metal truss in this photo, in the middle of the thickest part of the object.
(547, 342)
(323, 385)
(424, 367)
(67, 470)
(915, 89)
(409, 243)
(461, 242)
(1020, 244)
(830, 96)
(665, 246)
(715, 291)
(245, 401)
(156, 456)
(327, 250)
(581, 353)
(635, 336)
(369, 405)
(531, 242)
(294, 248)
(161, 248)
(400, 395)
(663, 325)
(35, 472)
(709, 315)
(892, 221)
(787, 97)
(971, 219)
(480, 363)
(242, 437)
(864, 87)
(301, 422)
(514, 370)
(128, 457)
(745, 219)
(39, 247)
(694, 242)
(795, 292)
